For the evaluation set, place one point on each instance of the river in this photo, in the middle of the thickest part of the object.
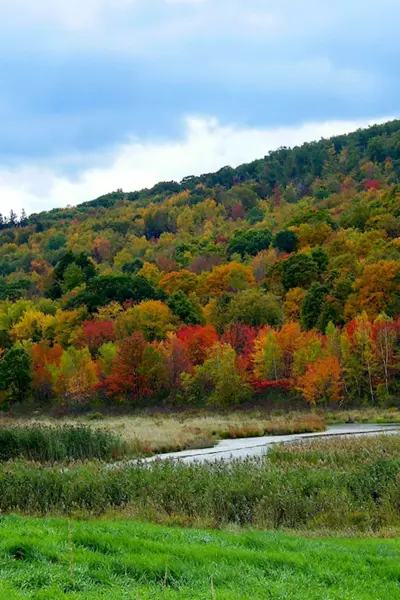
(249, 447)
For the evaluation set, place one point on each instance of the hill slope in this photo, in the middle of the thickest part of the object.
(283, 273)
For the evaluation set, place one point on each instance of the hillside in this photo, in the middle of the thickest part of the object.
(281, 274)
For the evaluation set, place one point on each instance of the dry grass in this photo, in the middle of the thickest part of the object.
(152, 434)
(364, 415)
(147, 435)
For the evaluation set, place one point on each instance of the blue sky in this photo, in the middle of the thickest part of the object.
(99, 94)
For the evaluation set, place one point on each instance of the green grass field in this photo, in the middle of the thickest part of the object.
(55, 559)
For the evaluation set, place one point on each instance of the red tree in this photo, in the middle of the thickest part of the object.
(129, 378)
(198, 340)
(97, 333)
(241, 338)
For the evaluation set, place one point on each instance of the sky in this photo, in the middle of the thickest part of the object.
(97, 95)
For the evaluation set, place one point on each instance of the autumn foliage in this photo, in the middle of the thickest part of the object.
(276, 278)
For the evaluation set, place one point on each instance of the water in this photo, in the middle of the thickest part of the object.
(248, 447)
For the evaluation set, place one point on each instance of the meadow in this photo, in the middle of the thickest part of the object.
(77, 560)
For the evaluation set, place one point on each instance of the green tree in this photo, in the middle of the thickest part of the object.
(184, 309)
(15, 375)
(218, 380)
(299, 271)
(249, 242)
(255, 308)
(312, 306)
(286, 241)
(73, 277)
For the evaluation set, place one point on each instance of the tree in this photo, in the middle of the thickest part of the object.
(133, 267)
(358, 357)
(376, 289)
(177, 363)
(152, 318)
(97, 333)
(231, 277)
(254, 308)
(119, 288)
(80, 260)
(320, 257)
(268, 356)
(249, 242)
(184, 309)
(46, 360)
(73, 277)
(322, 381)
(299, 271)
(286, 241)
(78, 375)
(197, 340)
(293, 303)
(242, 339)
(184, 281)
(129, 380)
(386, 335)
(312, 306)
(34, 326)
(218, 380)
(15, 375)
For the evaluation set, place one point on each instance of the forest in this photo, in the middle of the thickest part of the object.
(280, 276)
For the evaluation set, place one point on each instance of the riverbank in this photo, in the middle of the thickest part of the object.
(149, 433)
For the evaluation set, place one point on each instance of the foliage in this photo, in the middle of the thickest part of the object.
(15, 374)
(301, 239)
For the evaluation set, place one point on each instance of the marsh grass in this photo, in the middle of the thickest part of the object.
(336, 484)
(363, 415)
(45, 443)
(145, 435)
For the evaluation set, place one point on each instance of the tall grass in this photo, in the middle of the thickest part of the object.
(356, 487)
(50, 444)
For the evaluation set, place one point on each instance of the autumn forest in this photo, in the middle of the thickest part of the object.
(281, 276)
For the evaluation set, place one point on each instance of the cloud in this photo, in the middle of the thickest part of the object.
(73, 14)
(205, 146)
(79, 75)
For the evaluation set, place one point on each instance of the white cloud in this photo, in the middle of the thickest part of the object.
(206, 146)
(70, 14)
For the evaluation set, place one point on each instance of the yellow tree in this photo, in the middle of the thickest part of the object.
(267, 358)
(376, 289)
(153, 318)
(229, 278)
(184, 281)
(293, 303)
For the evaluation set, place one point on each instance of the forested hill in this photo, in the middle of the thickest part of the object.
(284, 272)
(302, 167)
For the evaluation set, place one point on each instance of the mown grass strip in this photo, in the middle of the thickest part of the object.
(127, 560)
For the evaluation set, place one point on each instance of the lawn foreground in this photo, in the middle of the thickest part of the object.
(57, 558)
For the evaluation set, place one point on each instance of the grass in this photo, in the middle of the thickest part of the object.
(364, 415)
(145, 435)
(43, 443)
(47, 559)
(331, 485)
